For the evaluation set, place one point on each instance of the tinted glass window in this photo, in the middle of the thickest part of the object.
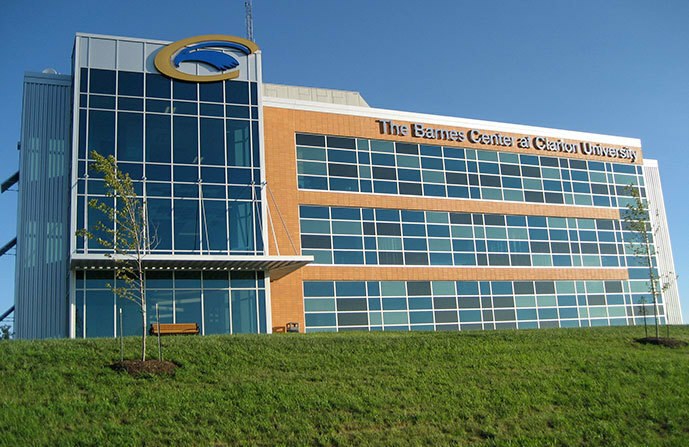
(130, 132)
(102, 132)
(406, 148)
(102, 81)
(310, 140)
(158, 138)
(130, 83)
(157, 86)
(237, 92)
(184, 90)
(186, 225)
(344, 143)
(211, 91)
(212, 142)
(238, 143)
(185, 140)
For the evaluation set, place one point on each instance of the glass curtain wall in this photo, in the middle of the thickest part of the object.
(191, 149)
(220, 302)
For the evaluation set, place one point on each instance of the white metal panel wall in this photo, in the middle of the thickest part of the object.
(41, 269)
(666, 263)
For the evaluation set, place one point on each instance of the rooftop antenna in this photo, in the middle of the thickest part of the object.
(249, 6)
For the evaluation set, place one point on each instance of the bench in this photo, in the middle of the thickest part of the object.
(174, 328)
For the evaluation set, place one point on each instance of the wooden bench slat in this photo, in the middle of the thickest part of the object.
(174, 328)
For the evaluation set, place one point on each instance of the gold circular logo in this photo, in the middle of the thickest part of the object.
(206, 50)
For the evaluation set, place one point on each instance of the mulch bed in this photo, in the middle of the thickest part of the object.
(149, 367)
(669, 342)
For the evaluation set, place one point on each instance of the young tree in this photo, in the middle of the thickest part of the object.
(637, 220)
(6, 332)
(125, 234)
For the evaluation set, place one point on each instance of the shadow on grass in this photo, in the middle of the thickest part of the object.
(660, 341)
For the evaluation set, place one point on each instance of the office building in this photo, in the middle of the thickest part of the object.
(276, 206)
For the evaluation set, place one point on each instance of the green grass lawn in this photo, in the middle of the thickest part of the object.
(564, 387)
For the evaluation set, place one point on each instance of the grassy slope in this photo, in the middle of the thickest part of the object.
(547, 387)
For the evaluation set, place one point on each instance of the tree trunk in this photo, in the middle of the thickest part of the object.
(142, 294)
(651, 277)
(143, 335)
(655, 304)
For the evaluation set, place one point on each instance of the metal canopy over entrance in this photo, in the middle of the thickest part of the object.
(276, 266)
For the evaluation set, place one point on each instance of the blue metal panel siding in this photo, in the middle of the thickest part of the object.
(42, 265)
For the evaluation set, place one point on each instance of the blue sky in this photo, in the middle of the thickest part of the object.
(610, 67)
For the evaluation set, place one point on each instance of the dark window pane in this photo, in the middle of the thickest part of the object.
(455, 178)
(490, 180)
(158, 138)
(390, 258)
(418, 288)
(494, 219)
(211, 91)
(130, 132)
(551, 197)
(237, 92)
(184, 148)
(184, 90)
(102, 102)
(310, 140)
(254, 93)
(529, 171)
(388, 229)
(460, 218)
(577, 164)
(186, 225)
(102, 81)
(498, 260)
(410, 189)
(342, 170)
(214, 175)
(211, 110)
(130, 83)
(214, 217)
(82, 134)
(509, 170)
(545, 287)
(343, 143)
(212, 144)
(503, 301)
(416, 258)
(157, 86)
(241, 226)
(520, 260)
(533, 196)
(160, 218)
(84, 79)
(136, 104)
(469, 302)
(354, 319)
(155, 105)
(349, 304)
(102, 132)
(548, 161)
(504, 315)
(384, 173)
